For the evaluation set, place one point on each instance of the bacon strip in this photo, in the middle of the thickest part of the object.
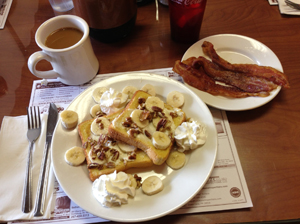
(266, 72)
(198, 79)
(240, 80)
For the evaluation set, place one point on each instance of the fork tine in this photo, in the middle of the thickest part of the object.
(28, 119)
(31, 119)
(35, 118)
(39, 117)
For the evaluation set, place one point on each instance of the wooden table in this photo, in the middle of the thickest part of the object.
(267, 138)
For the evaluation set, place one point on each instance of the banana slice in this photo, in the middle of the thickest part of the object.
(129, 90)
(160, 140)
(133, 182)
(125, 147)
(175, 99)
(152, 185)
(69, 119)
(176, 160)
(94, 109)
(97, 93)
(75, 156)
(148, 88)
(135, 116)
(100, 126)
(154, 101)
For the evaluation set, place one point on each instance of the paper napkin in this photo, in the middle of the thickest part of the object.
(273, 2)
(285, 9)
(13, 159)
(4, 10)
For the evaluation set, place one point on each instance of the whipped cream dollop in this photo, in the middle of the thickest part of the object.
(112, 100)
(190, 135)
(113, 189)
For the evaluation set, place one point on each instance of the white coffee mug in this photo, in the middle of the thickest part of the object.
(74, 65)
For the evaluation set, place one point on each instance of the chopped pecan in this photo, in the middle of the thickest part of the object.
(173, 114)
(150, 117)
(112, 151)
(99, 113)
(128, 119)
(93, 142)
(105, 148)
(96, 150)
(138, 181)
(137, 178)
(85, 145)
(141, 100)
(141, 106)
(156, 109)
(133, 132)
(144, 115)
(102, 139)
(132, 156)
(154, 115)
(96, 147)
(115, 155)
(147, 133)
(95, 165)
(110, 165)
(161, 124)
(101, 126)
(126, 124)
(134, 125)
(101, 155)
(161, 114)
(109, 138)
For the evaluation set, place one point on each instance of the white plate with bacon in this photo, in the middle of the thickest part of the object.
(236, 49)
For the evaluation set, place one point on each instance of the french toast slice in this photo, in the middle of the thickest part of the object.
(122, 128)
(114, 159)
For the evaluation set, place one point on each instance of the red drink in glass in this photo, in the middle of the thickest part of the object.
(186, 19)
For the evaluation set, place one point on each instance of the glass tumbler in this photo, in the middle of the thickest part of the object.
(186, 19)
(61, 5)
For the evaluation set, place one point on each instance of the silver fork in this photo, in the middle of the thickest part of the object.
(34, 130)
(292, 4)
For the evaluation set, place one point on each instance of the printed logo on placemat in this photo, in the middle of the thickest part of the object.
(235, 192)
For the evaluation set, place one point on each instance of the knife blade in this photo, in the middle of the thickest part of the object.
(43, 177)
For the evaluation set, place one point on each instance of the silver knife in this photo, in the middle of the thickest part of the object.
(42, 186)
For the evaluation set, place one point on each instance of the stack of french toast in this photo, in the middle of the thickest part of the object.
(139, 135)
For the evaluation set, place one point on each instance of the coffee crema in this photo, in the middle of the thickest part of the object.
(63, 38)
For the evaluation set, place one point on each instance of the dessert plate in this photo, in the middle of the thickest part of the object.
(236, 49)
(180, 186)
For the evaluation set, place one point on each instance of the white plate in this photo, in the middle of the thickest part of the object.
(180, 186)
(236, 49)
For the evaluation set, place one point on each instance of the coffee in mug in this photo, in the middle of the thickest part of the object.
(73, 63)
(63, 38)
